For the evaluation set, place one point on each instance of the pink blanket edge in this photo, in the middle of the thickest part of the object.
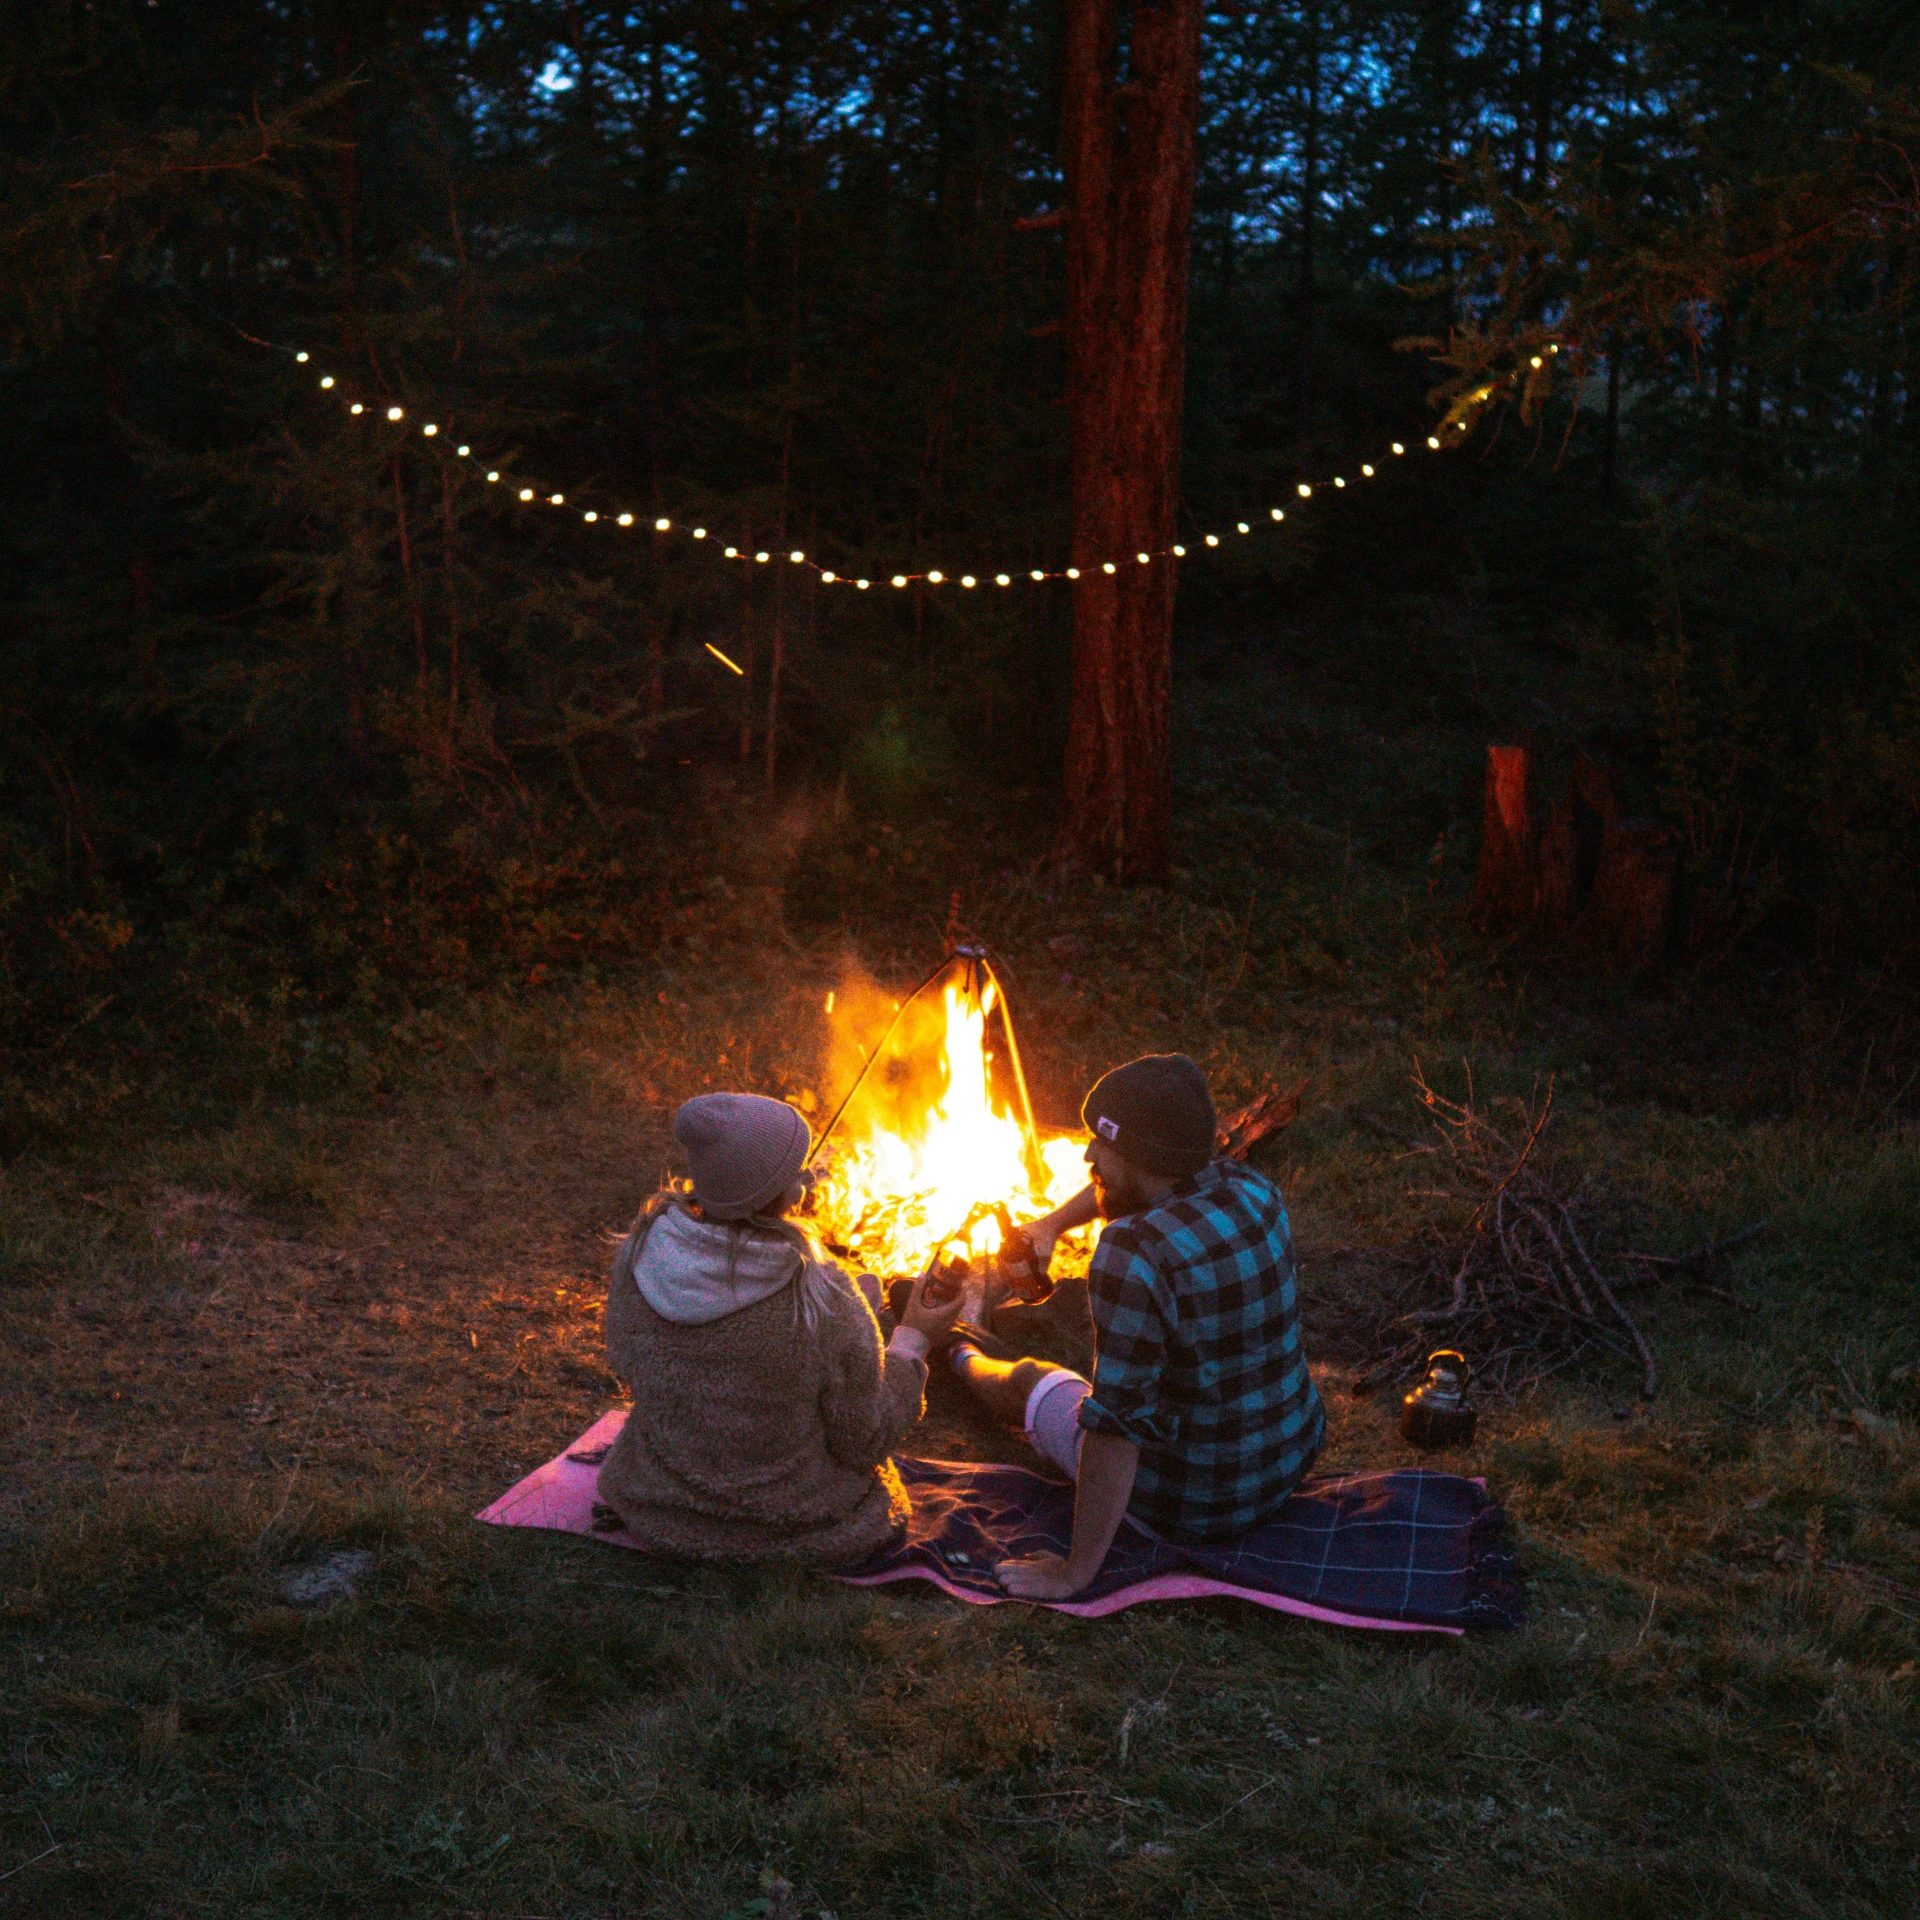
(558, 1498)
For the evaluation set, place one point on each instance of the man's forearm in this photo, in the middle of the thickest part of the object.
(1107, 1467)
(1077, 1212)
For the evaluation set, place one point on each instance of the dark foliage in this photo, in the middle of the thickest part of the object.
(297, 708)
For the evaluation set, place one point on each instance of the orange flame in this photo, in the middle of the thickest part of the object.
(924, 1143)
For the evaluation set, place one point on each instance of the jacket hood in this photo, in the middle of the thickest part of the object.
(694, 1271)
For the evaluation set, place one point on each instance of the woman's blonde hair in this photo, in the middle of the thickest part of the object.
(816, 1278)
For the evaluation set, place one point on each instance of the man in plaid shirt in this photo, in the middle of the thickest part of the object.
(1201, 1416)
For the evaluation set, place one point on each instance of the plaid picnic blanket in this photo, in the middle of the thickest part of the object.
(1404, 1549)
(1406, 1552)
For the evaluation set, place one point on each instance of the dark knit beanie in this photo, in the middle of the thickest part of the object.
(1157, 1112)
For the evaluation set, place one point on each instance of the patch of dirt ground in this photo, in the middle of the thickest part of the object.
(443, 1331)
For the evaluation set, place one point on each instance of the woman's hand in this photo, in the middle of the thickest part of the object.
(1040, 1576)
(929, 1322)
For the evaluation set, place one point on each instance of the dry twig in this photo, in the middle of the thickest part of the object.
(1524, 1288)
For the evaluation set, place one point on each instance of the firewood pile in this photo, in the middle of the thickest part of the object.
(1526, 1288)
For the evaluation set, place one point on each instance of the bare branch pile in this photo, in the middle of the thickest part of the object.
(1524, 1288)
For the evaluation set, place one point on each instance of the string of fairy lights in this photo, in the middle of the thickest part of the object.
(520, 491)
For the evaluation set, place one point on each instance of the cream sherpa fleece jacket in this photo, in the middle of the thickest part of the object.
(754, 1436)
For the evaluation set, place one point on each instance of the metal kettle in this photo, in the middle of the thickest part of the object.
(1437, 1413)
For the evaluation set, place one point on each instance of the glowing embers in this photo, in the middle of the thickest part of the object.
(926, 1139)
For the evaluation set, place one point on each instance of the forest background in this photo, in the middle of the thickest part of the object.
(297, 714)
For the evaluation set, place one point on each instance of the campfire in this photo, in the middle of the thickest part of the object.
(937, 1126)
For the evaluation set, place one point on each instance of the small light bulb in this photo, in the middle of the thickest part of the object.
(429, 429)
(526, 493)
(302, 358)
(556, 499)
(396, 413)
(1433, 442)
(733, 553)
(626, 520)
(589, 516)
(1305, 492)
(863, 585)
(1366, 473)
(1107, 566)
(699, 533)
(356, 408)
(1535, 361)
(1001, 580)
(462, 452)
(1277, 514)
(1553, 349)
(763, 558)
(1338, 482)
(1073, 573)
(1179, 553)
(967, 580)
(899, 579)
(828, 578)
(936, 576)
(1036, 575)
(1213, 539)
(1242, 525)
(493, 476)
(661, 526)
(326, 379)
(1398, 448)
(797, 557)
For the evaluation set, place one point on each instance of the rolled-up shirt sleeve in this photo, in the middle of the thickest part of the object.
(1133, 1312)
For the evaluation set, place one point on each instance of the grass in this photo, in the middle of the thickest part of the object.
(354, 1310)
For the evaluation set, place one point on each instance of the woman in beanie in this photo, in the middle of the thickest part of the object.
(764, 1406)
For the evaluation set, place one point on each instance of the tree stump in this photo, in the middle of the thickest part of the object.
(1570, 847)
(1506, 887)
(1624, 928)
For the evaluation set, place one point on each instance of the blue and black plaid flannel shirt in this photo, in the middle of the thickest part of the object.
(1197, 1355)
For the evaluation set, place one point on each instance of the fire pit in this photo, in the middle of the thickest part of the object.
(936, 1127)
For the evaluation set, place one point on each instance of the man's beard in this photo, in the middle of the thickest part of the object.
(1120, 1197)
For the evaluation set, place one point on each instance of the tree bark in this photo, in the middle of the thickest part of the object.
(1303, 293)
(1129, 165)
(1570, 848)
(1611, 438)
(1506, 888)
(1624, 929)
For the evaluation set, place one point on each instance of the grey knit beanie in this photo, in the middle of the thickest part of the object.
(1157, 1112)
(745, 1151)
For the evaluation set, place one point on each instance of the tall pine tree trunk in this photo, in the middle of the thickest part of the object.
(1129, 160)
(1303, 291)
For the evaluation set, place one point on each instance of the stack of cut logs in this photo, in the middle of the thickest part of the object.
(1585, 877)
